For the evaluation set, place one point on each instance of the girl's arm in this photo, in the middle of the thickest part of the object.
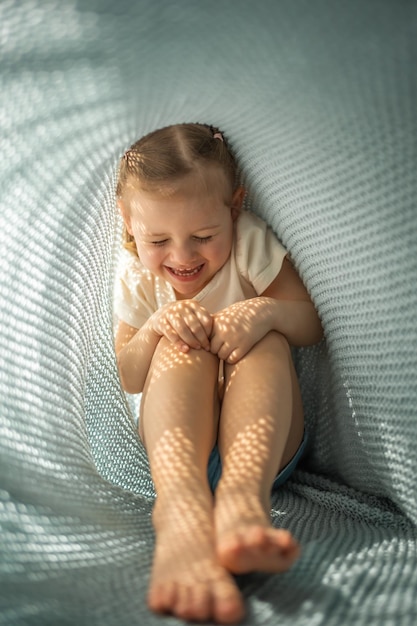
(185, 324)
(284, 306)
(134, 351)
(293, 312)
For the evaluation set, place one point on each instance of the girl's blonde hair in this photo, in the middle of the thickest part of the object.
(170, 153)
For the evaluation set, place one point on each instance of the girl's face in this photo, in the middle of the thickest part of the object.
(184, 230)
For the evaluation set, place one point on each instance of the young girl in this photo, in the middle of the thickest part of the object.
(208, 304)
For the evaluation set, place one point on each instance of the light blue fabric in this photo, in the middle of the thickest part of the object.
(318, 100)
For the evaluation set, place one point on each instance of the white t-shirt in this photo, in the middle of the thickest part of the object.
(255, 260)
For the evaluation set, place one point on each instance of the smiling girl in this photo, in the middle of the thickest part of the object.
(208, 305)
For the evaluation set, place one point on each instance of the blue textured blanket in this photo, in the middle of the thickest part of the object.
(318, 100)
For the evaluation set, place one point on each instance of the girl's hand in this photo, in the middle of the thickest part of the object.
(239, 327)
(185, 323)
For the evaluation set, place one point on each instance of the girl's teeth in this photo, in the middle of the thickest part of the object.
(186, 272)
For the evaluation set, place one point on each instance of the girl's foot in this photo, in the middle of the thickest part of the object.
(187, 580)
(246, 541)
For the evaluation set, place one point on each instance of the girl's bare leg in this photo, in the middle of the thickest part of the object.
(261, 427)
(179, 418)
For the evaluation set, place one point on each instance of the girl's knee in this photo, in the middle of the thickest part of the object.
(276, 342)
(170, 353)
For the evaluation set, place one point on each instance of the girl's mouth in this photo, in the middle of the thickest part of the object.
(186, 273)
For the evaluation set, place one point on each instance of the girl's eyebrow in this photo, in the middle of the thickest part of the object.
(211, 227)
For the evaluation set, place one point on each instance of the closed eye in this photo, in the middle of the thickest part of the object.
(203, 239)
(162, 242)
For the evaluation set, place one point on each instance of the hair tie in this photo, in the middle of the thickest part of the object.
(218, 135)
(131, 157)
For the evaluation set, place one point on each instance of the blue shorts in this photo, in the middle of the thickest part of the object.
(214, 469)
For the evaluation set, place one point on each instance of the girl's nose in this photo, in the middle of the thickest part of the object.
(184, 254)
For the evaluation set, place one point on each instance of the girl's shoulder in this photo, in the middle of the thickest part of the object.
(252, 230)
(138, 293)
(136, 278)
(258, 252)
(128, 263)
(247, 220)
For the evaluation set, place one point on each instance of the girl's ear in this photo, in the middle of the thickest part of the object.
(126, 216)
(237, 201)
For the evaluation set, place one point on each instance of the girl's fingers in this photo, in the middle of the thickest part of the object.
(188, 324)
(219, 347)
(206, 322)
(200, 324)
(185, 336)
(169, 332)
(183, 347)
(200, 334)
(234, 356)
(192, 332)
(215, 344)
(225, 350)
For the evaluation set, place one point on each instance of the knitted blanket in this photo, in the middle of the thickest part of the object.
(318, 100)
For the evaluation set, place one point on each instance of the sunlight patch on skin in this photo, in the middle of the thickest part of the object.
(176, 358)
(251, 443)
